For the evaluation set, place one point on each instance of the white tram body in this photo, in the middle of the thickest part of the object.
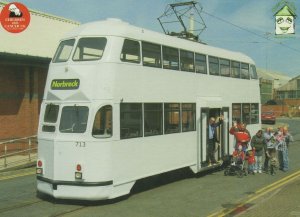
(122, 103)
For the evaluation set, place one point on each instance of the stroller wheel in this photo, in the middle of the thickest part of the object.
(240, 174)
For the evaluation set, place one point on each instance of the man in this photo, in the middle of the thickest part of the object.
(212, 138)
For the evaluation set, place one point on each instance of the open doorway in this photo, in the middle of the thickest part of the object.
(220, 147)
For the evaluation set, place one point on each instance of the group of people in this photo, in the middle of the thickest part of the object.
(272, 144)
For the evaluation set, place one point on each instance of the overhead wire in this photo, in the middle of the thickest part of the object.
(251, 32)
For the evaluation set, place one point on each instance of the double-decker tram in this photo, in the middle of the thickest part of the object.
(123, 103)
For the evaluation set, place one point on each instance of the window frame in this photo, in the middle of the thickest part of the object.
(60, 50)
(224, 66)
(137, 54)
(153, 51)
(170, 115)
(199, 63)
(108, 122)
(170, 55)
(186, 59)
(127, 127)
(191, 120)
(158, 121)
(214, 63)
(81, 54)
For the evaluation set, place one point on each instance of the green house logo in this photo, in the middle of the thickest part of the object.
(285, 21)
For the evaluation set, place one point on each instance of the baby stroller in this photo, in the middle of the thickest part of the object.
(237, 167)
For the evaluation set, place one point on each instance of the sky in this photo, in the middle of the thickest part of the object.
(246, 26)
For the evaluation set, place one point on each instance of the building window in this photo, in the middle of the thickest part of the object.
(200, 63)
(225, 67)
(187, 61)
(151, 54)
(89, 49)
(170, 58)
(153, 119)
(131, 123)
(188, 117)
(235, 69)
(102, 127)
(131, 51)
(213, 65)
(172, 117)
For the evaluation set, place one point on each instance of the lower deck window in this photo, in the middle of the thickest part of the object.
(188, 117)
(172, 118)
(131, 120)
(153, 119)
(102, 127)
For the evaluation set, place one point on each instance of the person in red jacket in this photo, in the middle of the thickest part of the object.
(241, 134)
(251, 160)
(238, 155)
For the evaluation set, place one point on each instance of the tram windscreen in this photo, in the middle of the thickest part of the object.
(88, 49)
(74, 119)
(63, 51)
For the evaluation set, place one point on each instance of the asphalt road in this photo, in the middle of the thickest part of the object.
(177, 194)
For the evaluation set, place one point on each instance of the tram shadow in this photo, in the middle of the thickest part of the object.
(81, 203)
(140, 186)
(159, 180)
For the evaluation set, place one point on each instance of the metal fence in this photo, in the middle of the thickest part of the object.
(16, 152)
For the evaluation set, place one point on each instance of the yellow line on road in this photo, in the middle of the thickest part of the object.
(257, 194)
(16, 175)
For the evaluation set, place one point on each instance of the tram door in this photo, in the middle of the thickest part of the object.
(222, 132)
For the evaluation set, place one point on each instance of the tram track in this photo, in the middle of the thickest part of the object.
(20, 205)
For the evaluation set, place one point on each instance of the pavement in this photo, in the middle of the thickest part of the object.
(17, 162)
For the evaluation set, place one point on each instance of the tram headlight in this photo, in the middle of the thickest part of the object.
(78, 175)
(78, 172)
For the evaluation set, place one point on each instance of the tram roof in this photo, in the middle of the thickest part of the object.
(116, 27)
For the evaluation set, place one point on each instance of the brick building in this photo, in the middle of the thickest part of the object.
(24, 61)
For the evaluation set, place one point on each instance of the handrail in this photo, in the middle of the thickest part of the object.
(10, 158)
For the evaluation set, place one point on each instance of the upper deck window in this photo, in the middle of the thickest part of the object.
(187, 61)
(214, 68)
(89, 49)
(200, 63)
(170, 58)
(225, 67)
(151, 54)
(74, 119)
(245, 71)
(63, 51)
(131, 51)
(253, 73)
(235, 69)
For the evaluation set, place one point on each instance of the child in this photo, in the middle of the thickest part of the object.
(238, 155)
(271, 154)
(251, 160)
